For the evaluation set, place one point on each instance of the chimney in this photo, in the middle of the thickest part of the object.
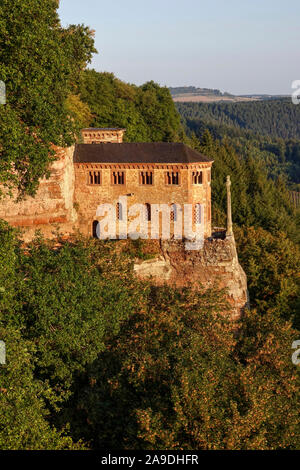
(102, 135)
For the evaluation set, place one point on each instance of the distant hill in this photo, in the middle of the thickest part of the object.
(191, 90)
(211, 95)
(194, 94)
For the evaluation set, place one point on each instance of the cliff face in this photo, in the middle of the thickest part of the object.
(216, 264)
(52, 205)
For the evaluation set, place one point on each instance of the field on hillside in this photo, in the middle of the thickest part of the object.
(185, 98)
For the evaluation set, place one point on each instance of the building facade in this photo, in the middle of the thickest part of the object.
(102, 170)
(150, 174)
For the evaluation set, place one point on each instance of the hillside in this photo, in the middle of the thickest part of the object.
(209, 95)
(273, 118)
(271, 128)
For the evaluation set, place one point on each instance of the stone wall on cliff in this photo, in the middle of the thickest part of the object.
(216, 264)
(53, 204)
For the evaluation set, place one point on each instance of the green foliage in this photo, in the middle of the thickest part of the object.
(272, 267)
(23, 423)
(147, 112)
(120, 363)
(69, 328)
(58, 303)
(141, 249)
(177, 377)
(275, 143)
(266, 226)
(40, 63)
(79, 111)
(257, 200)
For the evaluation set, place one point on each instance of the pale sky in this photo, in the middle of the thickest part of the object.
(239, 46)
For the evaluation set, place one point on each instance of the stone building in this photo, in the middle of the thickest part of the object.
(104, 170)
(143, 173)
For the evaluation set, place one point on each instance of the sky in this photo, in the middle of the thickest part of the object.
(239, 46)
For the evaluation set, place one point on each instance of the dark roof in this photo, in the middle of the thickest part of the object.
(161, 152)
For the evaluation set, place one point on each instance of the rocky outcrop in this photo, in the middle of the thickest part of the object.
(216, 264)
(158, 268)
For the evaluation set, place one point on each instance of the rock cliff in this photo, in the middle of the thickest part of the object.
(216, 264)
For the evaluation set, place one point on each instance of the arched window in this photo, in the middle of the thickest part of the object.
(94, 177)
(197, 177)
(172, 177)
(148, 211)
(146, 177)
(173, 213)
(94, 229)
(119, 211)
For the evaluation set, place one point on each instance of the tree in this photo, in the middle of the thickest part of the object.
(24, 416)
(178, 376)
(40, 63)
(96, 294)
(23, 398)
(147, 112)
(272, 264)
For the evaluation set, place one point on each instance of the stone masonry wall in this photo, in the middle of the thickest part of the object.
(93, 136)
(88, 197)
(53, 205)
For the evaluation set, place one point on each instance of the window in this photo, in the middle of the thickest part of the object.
(172, 177)
(118, 177)
(197, 177)
(208, 176)
(148, 212)
(119, 211)
(94, 177)
(173, 213)
(95, 229)
(146, 177)
(197, 214)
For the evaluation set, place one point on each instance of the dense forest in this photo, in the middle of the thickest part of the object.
(96, 358)
(269, 129)
(273, 118)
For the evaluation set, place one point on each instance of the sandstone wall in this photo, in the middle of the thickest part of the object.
(88, 197)
(93, 136)
(53, 205)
